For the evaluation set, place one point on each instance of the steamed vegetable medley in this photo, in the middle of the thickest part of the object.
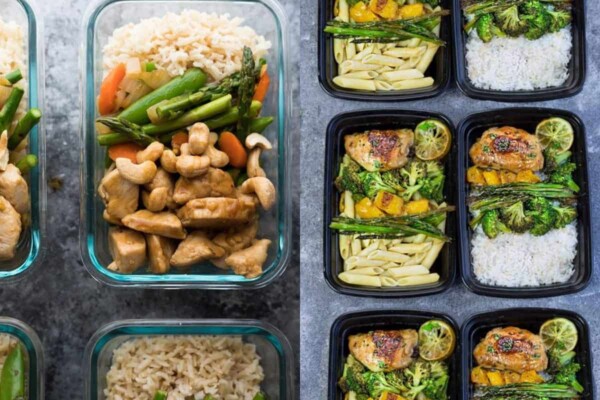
(392, 208)
(384, 45)
(399, 364)
(523, 199)
(184, 181)
(12, 369)
(514, 363)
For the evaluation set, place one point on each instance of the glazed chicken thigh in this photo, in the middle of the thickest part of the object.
(377, 150)
(384, 350)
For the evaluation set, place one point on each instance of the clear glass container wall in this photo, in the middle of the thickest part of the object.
(268, 19)
(30, 248)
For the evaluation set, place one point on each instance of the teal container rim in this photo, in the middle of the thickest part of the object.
(159, 327)
(88, 192)
(32, 343)
(37, 146)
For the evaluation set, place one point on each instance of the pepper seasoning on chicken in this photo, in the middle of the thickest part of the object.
(384, 350)
(377, 150)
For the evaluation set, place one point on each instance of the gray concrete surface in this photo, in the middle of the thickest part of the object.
(320, 306)
(60, 300)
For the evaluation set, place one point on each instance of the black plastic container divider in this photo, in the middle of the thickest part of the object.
(576, 67)
(440, 69)
(365, 321)
(476, 327)
(446, 264)
(469, 130)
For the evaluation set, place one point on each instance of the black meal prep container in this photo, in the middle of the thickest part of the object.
(440, 69)
(476, 327)
(572, 86)
(471, 129)
(358, 121)
(365, 321)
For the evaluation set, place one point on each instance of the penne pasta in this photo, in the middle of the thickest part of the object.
(401, 75)
(416, 259)
(355, 246)
(358, 84)
(387, 281)
(406, 52)
(433, 253)
(380, 59)
(401, 272)
(418, 280)
(413, 83)
(383, 85)
(352, 65)
(361, 75)
(373, 271)
(344, 243)
(363, 53)
(411, 248)
(343, 11)
(350, 50)
(348, 204)
(427, 58)
(362, 262)
(357, 279)
(338, 50)
(388, 256)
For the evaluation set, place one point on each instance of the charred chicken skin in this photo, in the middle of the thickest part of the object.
(385, 350)
(508, 148)
(380, 150)
(512, 349)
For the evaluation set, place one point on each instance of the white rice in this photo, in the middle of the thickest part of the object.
(7, 343)
(12, 47)
(177, 42)
(515, 260)
(510, 64)
(222, 366)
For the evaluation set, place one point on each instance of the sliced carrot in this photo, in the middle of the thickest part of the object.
(178, 139)
(262, 87)
(124, 150)
(109, 88)
(231, 145)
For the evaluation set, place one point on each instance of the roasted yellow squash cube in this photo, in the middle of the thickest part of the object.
(507, 177)
(384, 8)
(495, 377)
(531, 377)
(389, 203)
(527, 176)
(479, 377)
(475, 176)
(361, 13)
(417, 207)
(511, 377)
(491, 177)
(366, 209)
(411, 11)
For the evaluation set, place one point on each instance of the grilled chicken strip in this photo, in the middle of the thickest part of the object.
(195, 248)
(508, 148)
(384, 350)
(215, 183)
(14, 188)
(10, 229)
(120, 196)
(217, 212)
(380, 150)
(512, 349)
(161, 223)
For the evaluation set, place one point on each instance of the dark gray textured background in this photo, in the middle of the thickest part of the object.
(60, 300)
(320, 305)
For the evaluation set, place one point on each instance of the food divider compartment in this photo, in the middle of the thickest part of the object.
(365, 321)
(577, 65)
(440, 69)
(274, 224)
(271, 345)
(469, 130)
(476, 327)
(358, 121)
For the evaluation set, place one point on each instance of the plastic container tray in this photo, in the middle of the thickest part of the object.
(31, 247)
(365, 321)
(577, 66)
(476, 327)
(358, 121)
(439, 70)
(469, 130)
(34, 355)
(275, 225)
(272, 346)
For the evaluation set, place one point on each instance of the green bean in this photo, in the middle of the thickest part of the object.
(26, 163)
(25, 124)
(12, 378)
(14, 76)
(10, 108)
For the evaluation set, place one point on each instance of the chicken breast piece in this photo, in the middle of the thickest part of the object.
(377, 150)
(163, 179)
(160, 250)
(120, 196)
(162, 223)
(14, 188)
(508, 148)
(385, 350)
(196, 247)
(128, 249)
(215, 183)
(238, 238)
(10, 229)
(512, 349)
(217, 212)
(249, 262)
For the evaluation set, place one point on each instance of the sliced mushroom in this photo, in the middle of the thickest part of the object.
(256, 143)
(4, 153)
(192, 166)
(256, 140)
(198, 138)
(140, 174)
(10, 229)
(14, 188)
(215, 183)
(263, 188)
(196, 247)
(217, 212)
(120, 196)
(162, 223)
(249, 262)
(168, 160)
(160, 250)
(128, 249)
(155, 200)
(238, 238)
(151, 153)
(218, 158)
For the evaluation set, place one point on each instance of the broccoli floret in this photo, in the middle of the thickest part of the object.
(510, 22)
(543, 215)
(563, 175)
(515, 219)
(413, 172)
(433, 188)
(490, 223)
(372, 183)
(537, 25)
(393, 179)
(564, 216)
(437, 384)
(416, 377)
(532, 7)
(352, 379)
(396, 378)
(377, 383)
(432, 3)
(348, 177)
(485, 27)
(559, 19)
(568, 376)
(553, 158)
(564, 368)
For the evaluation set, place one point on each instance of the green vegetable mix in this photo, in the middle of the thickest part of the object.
(12, 377)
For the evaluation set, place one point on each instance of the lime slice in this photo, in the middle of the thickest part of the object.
(432, 140)
(559, 333)
(555, 132)
(437, 340)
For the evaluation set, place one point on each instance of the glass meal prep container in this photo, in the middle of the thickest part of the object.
(30, 248)
(101, 20)
(271, 345)
(34, 355)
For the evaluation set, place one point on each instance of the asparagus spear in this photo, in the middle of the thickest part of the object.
(258, 125)
(14, 76)
(126, 131)
(541, 391)
(10, 108)
(27, 163)
(25, 124)
(245, 93)
(549, 190)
